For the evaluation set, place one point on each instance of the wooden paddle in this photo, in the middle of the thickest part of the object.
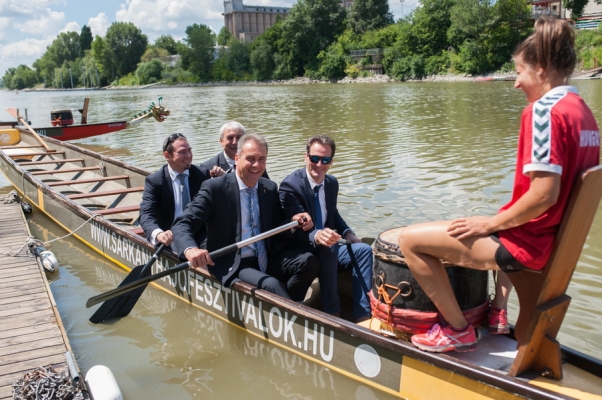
(120, 306)
(180, 267)
(15, 114)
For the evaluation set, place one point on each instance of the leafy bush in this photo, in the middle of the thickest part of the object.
(128, 80)
(333, 61)
(149, 72)
(409, 67)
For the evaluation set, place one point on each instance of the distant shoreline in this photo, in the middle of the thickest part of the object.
(307, 81)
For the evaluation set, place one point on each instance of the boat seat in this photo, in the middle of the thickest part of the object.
(106, 193)
(138, 231)
(65, 171)
(39, 146)
(117, 210)
(35, 154)
(59, 161)
(90, 180)
(542, 296)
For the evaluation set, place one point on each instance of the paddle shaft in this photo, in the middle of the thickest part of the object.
(180, 267)
(14, 113)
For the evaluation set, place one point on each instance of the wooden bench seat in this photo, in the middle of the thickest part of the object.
(59, 161)
(65, 171)
(105, 193)
(117, 210)
(90, 180)
(36, 154)
(542, 297)
(39, 146)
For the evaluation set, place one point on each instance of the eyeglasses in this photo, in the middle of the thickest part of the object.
(316, 159)
(172, 138)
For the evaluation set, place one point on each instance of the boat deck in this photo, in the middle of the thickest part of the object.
(31, 333)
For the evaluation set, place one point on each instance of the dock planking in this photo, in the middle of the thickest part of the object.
(31, 333)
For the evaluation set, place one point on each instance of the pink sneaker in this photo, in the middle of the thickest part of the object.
(442, 338)
(497, 321)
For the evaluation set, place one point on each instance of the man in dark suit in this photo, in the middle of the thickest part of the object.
(168, 191)
(311, 190)
(229, 135)
(239, 205)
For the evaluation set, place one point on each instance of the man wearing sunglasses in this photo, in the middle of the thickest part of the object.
(312, 190)
(168, 191)
(229, 135)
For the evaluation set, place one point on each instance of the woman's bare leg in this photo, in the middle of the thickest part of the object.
(503, 286)
(424, 245)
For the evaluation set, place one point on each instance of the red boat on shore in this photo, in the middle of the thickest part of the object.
(63, 128)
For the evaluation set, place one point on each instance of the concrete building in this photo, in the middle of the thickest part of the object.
(247, 22)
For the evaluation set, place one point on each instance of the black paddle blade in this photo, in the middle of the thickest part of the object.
(121, 306)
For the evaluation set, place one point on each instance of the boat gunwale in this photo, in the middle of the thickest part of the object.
(493, 378)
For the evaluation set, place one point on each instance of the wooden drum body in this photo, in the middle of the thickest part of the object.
(398, 300)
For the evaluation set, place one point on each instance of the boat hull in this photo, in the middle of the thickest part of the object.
(72, 132)
(393, 366)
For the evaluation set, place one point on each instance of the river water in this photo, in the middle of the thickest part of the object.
(406, 153)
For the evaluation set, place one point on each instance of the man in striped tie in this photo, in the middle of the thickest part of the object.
(236, 206)
(168, 191)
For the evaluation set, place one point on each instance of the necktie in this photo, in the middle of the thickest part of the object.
(318, 217)
(260, 251)
(184, 191)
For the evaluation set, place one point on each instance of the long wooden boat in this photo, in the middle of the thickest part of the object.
(98, 197)
(63, 128)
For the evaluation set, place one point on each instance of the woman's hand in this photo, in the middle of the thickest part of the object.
(463, 228)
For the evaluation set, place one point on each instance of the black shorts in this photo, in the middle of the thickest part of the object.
(504, 259)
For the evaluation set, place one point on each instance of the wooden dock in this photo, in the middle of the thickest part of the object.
(31, 333)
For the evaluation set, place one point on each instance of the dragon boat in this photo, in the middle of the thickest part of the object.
(63, 127)
(97, 197)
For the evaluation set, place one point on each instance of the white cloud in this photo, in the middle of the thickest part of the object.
(24, 52)
(71, 27)
(162, 16)
(43, 25)
(99, 24)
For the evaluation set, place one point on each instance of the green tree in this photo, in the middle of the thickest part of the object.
(430, 23)
(367, 15)
(168, 43)
(333, 61)
(85, 39)
(309, 28)
(234, 62)
(19, 78)
(201, 41)
(223, 36)
(125, 44)
(105, 59)
(576, 6)
(153, 52)
(149, 72)
(262, 61)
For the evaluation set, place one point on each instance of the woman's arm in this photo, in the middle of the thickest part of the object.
(542, 194)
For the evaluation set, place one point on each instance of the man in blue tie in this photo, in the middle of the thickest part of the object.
(168, 191)
(236, 206)
(311, 189)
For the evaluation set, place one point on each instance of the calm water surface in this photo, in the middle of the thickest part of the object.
(405, 153)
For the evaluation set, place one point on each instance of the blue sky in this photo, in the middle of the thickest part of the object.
(27, 27)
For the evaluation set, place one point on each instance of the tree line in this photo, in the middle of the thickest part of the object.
(315, 40)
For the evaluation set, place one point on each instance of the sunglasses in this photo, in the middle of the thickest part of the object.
(172, 138)
(316, 159)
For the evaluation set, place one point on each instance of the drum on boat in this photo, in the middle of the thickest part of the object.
(399, 302)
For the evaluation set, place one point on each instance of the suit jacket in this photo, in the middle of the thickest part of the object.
(158, 206)
(217, 207)
(220, 161)
(297, 196)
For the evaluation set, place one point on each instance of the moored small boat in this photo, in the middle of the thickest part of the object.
(98, 197)
(63, 127)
